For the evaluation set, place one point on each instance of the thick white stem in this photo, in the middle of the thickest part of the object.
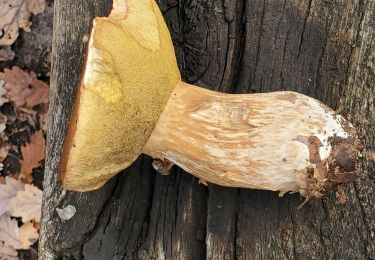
(280, 141)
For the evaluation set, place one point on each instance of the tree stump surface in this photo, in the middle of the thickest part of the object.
(324, 49)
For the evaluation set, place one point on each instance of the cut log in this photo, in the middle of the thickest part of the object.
(323, 50)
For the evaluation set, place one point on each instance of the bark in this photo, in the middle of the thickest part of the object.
(324, 49)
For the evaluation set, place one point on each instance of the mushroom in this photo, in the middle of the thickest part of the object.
(131, 100)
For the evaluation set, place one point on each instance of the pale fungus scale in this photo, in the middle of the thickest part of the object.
(131, 100)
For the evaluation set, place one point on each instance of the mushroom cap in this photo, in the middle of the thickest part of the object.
(129, 74)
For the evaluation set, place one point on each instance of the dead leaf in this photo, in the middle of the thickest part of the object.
(9, 231)
(21, 114)
(24, 88)
(32, 154)
(27, 204)
(43, 122)
(7, 192)
(28, 235)
(15, 14)
(17, 237)
(370, 155)
(4, 146)
(6, 53)
(7, 252)
(3, 91)
(3, 121)
(42, 117)
(36, 225)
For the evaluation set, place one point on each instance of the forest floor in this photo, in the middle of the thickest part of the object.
(23, 115)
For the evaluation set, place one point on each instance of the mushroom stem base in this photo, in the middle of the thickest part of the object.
(280, 141)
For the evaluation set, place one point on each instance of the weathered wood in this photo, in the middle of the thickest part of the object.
(324, 49)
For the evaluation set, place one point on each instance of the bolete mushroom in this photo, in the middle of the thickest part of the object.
(131, 100)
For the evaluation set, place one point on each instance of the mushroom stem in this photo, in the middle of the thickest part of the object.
(280, 141)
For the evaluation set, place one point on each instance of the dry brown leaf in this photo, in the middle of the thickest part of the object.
(3, 121)
(4, 146)
(6, 53)
(24, 88)
(32, 154)
(22, 114)
(17, 237)
(3, 91)
(370, 155)
(28, 235)
(43, 122)
(36, 225)
(42, 117)
(27, 204)
(7, 192)
(7, 252)
(9, 231)
(15, 14)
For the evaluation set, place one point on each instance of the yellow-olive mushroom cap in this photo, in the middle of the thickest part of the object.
(129, 74)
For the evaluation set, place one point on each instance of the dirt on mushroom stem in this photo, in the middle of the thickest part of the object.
(338, 169)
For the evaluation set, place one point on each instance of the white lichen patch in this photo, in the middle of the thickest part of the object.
(66, 213)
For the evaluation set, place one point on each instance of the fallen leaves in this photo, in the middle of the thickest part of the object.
(7, 192)
(24, 88)
(27, 204)
(28, 235)
(7, 252)
(3, 91)
(24, 106)
(6, 54)
(4, 145)
(19, 200)
(24, 100)
(17, 237)
(15, 14)
(32, 154)
(9, 231)
(25, 92)
(370, 155)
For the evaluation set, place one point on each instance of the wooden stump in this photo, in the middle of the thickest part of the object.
(324, 49)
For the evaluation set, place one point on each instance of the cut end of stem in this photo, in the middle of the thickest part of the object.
(339, 168)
